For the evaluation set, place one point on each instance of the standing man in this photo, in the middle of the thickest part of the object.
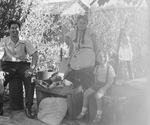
(15, 61)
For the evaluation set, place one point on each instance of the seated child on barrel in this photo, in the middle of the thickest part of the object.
(104, 77)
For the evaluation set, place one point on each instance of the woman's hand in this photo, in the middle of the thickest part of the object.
(102, 90)
(100, 93)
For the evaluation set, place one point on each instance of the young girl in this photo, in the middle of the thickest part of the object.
(104, 76)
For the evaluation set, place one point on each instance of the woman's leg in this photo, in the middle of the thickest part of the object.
(67, 71)
(86, 95)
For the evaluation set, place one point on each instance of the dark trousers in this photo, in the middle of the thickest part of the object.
(18, 69)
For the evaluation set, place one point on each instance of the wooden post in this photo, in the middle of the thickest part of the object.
(117, 55)
(61, 54)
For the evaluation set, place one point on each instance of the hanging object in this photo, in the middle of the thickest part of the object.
(61, 54)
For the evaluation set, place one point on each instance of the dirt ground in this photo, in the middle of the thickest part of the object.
(134, 112)
(19, 118)
(136, 117)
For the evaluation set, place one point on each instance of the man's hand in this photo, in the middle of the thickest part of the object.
(29, 72)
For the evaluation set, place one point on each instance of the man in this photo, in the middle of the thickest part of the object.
(15, 61)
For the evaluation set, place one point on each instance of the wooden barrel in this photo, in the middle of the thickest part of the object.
(123, 101)
(16, 94)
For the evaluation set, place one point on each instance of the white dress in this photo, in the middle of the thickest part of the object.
(85, 56)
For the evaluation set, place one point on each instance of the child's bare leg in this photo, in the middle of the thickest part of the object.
(99, 104)
(99, 109)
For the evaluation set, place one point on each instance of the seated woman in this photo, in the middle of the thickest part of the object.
(82, 45)
(104, 76)
(82, 49)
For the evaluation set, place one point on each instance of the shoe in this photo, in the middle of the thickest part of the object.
(81, 115)
(29, 113)
(97, 118)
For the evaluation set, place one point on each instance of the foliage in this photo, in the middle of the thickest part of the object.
(9, 9)
(43, 27)
(107, 24)
(12, 10)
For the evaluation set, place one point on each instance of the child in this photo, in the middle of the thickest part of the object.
(104, 76)
(125, 56)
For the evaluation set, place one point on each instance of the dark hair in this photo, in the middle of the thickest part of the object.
(84, 17)
(105, 52)
(13, 22)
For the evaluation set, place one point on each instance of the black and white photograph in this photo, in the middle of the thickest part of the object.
(74, 62)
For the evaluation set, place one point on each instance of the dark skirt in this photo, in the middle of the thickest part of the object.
(85, 77)
(98, 85)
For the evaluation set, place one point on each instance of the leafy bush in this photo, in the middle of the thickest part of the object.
(43, 27)
(107, 24)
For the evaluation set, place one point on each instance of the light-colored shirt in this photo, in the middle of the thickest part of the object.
(16, 52)
(87, 39)
(101, 73)
(83, 55)
(125, 50)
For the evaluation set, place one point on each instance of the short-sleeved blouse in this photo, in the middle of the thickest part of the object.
(87, 38)
(83, 55)
(16, 52)
(101, 73)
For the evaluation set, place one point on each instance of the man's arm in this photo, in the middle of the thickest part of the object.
(70, 44)
(34, 60)
(33, 64)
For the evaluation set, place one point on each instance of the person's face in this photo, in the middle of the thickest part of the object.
(14, 30)
(102, 58)
(82, 24)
